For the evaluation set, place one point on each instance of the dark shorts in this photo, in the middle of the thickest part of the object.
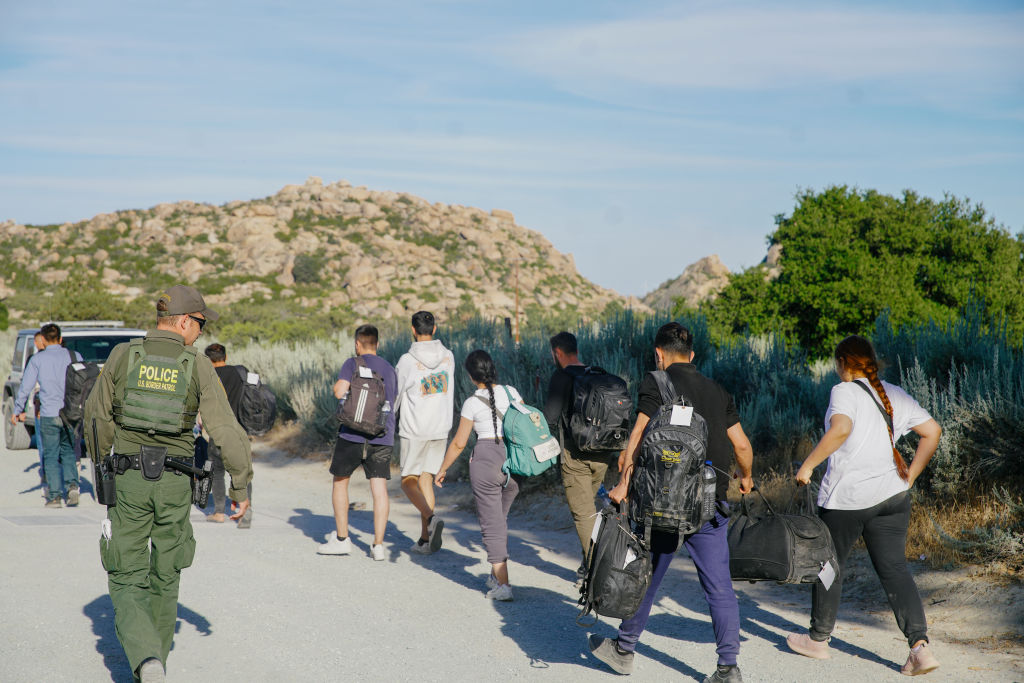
(376, 460)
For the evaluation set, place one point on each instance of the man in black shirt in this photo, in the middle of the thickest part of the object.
(233, 383)
(582, 473)
(708, 547)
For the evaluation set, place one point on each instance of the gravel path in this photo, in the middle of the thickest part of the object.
(262, 605)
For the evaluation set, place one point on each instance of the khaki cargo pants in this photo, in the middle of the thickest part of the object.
(582, 477)
(151, 542)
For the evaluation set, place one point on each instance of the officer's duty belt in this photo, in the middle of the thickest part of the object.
(123, 463)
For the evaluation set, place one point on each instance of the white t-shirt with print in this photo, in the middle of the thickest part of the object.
(480, 411)
(861, 473)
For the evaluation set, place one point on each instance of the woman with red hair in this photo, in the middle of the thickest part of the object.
(865, 493)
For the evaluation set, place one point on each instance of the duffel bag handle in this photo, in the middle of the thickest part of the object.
(743, 502)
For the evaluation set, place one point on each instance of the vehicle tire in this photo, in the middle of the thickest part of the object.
(16, 437)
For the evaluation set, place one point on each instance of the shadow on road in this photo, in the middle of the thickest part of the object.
(101, 612)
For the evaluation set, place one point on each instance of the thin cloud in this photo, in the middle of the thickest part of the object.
(758, 49)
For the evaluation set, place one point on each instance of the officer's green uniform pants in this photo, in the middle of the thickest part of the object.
(151, 543)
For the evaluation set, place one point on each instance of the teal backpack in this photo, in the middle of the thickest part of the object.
(530, 449)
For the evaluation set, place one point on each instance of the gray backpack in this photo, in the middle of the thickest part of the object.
(666, 490)
(365, 409)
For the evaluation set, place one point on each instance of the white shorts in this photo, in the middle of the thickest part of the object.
(422, 456)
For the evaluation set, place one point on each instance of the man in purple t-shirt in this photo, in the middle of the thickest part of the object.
(354, 449)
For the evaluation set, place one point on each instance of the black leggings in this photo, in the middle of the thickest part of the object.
(884, 528)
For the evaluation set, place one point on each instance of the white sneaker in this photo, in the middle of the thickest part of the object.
(492, 582)
(335, 547)
(502, 592)
(377, 552)
(419, 548)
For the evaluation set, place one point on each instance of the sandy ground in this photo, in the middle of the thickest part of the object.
(261, 605)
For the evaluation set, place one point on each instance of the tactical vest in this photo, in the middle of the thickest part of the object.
(154, 398)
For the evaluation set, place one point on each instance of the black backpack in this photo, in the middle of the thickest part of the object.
(782, 548)
(257, 406)
(618, 570)
(365, 408)
(601, 409)
(79, 379)
(666, 486)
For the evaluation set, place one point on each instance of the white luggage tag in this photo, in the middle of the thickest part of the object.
(252, 378)
(630, 556)
(597, 529)
(827, 575)
(681, 416)
(78, 366)
(547, 450)
(365, 372)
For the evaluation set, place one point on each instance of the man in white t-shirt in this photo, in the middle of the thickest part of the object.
(425, 403)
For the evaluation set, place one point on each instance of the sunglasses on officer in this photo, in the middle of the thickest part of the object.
(200, 321)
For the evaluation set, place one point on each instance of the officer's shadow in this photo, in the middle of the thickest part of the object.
(101, 612)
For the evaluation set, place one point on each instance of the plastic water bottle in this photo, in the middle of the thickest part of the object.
(708, 490)
(602, 495)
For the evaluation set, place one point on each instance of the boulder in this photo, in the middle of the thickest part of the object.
(700, 281)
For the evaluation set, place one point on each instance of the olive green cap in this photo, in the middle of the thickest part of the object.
(182, 300)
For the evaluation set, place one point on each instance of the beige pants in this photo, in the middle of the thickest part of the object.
(582, 478)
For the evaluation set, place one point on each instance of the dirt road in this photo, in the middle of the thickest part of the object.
(261, 605)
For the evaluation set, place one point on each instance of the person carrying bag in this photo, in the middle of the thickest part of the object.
(865, 493)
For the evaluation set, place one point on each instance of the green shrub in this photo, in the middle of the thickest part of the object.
(306, 269)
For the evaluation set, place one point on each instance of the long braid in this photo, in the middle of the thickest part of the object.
(856, 353)
(871, 372)
(482, 371)
(494, 410)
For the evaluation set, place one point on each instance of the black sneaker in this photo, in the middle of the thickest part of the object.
(607, 650)
(725, 674)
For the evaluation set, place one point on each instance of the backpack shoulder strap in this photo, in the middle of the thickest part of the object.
(668, 392)
(71, 354)
(885, 415)
(483, 400)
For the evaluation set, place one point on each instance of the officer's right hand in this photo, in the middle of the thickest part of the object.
(15, 419)
(241, 507)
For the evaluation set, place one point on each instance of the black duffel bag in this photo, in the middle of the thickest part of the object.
(618, 570)
(782, 548)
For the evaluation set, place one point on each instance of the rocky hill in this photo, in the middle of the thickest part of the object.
(699, 282)
(322, 248)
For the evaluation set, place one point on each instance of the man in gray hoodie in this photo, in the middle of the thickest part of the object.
(426, 397)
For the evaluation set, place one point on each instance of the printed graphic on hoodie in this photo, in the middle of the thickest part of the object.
(436, 383)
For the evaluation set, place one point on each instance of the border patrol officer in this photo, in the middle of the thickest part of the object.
(142, 410)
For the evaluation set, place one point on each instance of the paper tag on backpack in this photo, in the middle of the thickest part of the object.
(597, 529)
(546, 450)
(365, 372)
(252, 378)
(78, 366)
(681, 415)
(630, 556)
(827, 575)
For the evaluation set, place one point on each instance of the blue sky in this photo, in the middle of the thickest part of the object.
(638, 136)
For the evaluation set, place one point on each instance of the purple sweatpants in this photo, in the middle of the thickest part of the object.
(493, 498)
(710, 552)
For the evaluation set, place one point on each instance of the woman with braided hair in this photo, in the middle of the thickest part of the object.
(865, 493)
(493, 489)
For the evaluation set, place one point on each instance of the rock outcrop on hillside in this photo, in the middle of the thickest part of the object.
(377, 254)
(699, 282)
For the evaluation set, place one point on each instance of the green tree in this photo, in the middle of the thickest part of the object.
(848, 255)
(82, 297)
(3, 317)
